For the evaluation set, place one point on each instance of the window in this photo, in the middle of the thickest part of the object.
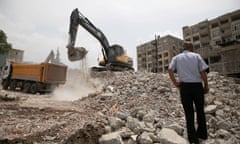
(226, 31)
(196, 38)
(204, 35)
(205, 44)
(236, 27)
(215, 33)
(215, 59)
(214, 25)
(195, 30)
(202, 27)
(160, 56)
(238, 37)
(224, 21)
(218, 42)
(187, 34)
(197, 46)
(166, 54)
(166, 61)
(236, 17)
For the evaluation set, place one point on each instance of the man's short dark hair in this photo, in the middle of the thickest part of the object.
(187, 45)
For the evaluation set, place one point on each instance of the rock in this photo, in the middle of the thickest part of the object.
(227, 109)
(8, 96)
(115, 123)
(223, 124)
(121, 115)
(110, 88)
(125, 133)
(232, 140)
(144, 138)
(220, 113)
(210, 109)
(140, 114)
(224, 134)
(129, 141)
(111, 138)
(215, 141)
(136, 110)
(49, 138)
(169, 136)
(138, 126)
(176, 127)
(149, 117)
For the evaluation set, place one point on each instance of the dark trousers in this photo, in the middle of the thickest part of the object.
(193, 93)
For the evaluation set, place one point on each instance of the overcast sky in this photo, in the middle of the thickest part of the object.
(39, 26)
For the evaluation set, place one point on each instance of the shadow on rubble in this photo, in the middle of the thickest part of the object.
(89, 134)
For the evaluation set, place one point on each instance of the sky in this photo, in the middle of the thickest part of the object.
(39, 26)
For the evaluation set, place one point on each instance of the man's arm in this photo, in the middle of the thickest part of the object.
(205, 80)
(172, 77)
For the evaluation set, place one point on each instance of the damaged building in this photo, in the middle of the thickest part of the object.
(218, 42)
(155, 55)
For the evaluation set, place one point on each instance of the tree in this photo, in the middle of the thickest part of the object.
(4, 45)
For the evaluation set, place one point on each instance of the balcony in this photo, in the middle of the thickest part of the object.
(226, 32)
(203, 31)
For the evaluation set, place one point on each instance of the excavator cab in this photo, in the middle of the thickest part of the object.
(114, 52)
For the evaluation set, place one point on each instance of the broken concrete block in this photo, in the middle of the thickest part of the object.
(169, 136)
(210, 109)
(111, 138)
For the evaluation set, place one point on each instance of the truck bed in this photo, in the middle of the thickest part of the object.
(43, 72)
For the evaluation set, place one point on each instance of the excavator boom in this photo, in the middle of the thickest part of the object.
(77, 19)
(113, 55)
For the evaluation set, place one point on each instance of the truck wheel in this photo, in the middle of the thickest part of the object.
(5, 84)
(13, 85)
(26, 87)
(33, 88)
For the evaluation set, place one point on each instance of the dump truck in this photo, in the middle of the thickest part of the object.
(33, 78)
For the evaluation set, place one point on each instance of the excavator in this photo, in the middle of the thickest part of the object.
(114, 57)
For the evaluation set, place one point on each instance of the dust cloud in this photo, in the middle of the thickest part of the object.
(78, 85)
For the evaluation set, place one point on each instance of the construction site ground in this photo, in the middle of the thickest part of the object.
(27, 118)
(80, 111)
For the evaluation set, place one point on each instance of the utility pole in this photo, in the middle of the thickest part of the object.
(155, 44)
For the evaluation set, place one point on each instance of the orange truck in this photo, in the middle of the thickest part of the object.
(33, 78)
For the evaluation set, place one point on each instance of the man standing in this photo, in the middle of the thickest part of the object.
(190, 68)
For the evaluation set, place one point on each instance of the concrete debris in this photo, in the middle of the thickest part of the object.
(210, 109)
(8, 96)
(169, 136)
(111, 138)
(131, 108)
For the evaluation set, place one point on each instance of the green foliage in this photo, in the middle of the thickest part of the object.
(4, 45)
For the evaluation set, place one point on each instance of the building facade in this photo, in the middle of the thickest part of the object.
(14, 55)
(218, 42)
(155, 55)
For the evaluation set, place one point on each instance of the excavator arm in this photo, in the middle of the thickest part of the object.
(76, 19)
(114, 55)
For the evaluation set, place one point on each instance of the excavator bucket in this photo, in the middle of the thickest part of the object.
(76, 53)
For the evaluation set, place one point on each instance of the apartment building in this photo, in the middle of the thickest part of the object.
(155, 55)
(15, 55)
(218, 42)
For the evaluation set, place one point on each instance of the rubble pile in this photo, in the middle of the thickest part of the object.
(145, 108)
(129, 108)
